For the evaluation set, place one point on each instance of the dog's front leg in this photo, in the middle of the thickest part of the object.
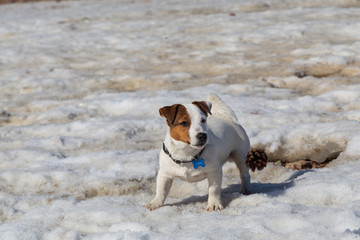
(163, 185)
(214, 188)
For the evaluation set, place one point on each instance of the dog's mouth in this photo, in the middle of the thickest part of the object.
(199, 146)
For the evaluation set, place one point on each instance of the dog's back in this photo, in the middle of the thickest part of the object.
(227, 133)
(256, 158)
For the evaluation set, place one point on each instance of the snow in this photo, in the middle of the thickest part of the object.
(81, 83)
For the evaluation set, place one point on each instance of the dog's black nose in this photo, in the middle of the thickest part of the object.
(202, 137)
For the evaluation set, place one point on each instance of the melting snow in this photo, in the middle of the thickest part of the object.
(81, 83)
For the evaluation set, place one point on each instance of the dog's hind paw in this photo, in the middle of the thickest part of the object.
(245, 191)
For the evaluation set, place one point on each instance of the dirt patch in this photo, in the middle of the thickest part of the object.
(4, 117)
(24, 1)
(309, 164)
(119, 187)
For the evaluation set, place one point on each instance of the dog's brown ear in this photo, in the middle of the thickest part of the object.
(204, 106)
(171, 112)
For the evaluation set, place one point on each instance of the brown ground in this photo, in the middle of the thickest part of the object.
(22, 1)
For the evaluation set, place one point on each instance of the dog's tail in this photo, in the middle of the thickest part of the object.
(220, 109)
(256, 159)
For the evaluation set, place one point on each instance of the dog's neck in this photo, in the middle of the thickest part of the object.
(180, 150)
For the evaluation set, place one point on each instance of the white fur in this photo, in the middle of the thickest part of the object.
(196, 115)
(226, 140)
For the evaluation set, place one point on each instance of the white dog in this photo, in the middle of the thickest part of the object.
(196, 146)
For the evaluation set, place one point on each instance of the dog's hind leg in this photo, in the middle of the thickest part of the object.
(240, 161)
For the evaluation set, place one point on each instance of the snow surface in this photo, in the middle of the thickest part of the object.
(81, 83)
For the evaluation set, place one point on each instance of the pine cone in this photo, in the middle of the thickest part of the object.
(256, 159)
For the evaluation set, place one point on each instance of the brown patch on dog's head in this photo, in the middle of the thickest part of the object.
(178, 119)
(204, 106)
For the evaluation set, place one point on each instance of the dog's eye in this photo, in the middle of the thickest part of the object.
(184, 124)
(203, 120)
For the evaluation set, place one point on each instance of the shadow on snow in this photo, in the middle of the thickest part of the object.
(232, 192)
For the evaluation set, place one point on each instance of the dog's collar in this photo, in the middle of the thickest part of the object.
(195, 158)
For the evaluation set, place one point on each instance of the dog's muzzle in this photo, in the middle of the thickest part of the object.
(202, 138)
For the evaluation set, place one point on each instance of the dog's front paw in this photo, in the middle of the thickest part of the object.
(153, 205)
(214, 206)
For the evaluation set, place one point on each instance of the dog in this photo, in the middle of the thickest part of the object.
(201, 137)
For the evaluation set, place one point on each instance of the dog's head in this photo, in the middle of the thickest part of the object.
(187, 123)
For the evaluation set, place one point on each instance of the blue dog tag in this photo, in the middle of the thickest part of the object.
(198, 163)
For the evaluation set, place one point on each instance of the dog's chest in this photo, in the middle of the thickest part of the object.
(188, 173)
